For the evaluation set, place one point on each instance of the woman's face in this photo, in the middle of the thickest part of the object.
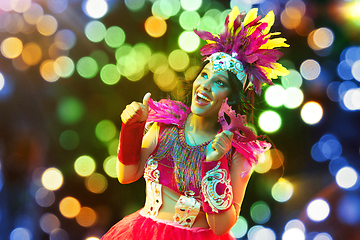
(209, 91)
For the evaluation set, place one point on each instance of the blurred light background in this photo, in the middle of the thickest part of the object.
(69, 67)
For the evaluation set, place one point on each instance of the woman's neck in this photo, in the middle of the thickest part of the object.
(201, 129)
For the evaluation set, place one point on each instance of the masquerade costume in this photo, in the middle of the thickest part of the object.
(203, 187)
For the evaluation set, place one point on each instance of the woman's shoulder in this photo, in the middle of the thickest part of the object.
(168, 111)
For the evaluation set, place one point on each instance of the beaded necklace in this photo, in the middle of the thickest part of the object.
(186, 158)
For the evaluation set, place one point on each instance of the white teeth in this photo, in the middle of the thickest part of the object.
(203, 97)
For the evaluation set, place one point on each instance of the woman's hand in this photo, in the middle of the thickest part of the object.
(218, 147)
(136, 111)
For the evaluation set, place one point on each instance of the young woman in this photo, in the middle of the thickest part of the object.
(196, 162)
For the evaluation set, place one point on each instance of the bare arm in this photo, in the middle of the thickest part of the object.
(221, 223)
(130, 173)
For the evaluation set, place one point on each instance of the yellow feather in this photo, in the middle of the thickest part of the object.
(269, 19)
(274, 43)
(250, 16)
(232, 16)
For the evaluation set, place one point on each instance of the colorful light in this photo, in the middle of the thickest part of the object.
(33, 14)
(282, 190)
(84, 166)
(86, 217)
(96, 183)
(260, 212)
(311, 113)
(347, 177)
(44, 197)
(191, 5)
(188, 41)
(70, 110)
(64, 67)
(95, 8)
(31, 53)
(318, 210)
(275, 95)
(11, 47)
(310, 69)
(134, 5)
(270, 121)
(115, 37)
(293, 234)
(47, 71)
(49, 222)
(52, 179)
(109, 166)
(240, 228)
(95, 31)
(69, 139)
(105, 130)
(87, 67)
(110, 74)
(189, 20)
(179, 60)
(69, 207)
(20, 233)
(155, 26)
(47, 25)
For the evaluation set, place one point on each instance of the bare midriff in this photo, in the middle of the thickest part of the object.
(167, 209)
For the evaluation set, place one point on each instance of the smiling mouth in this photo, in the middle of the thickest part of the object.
(202, 99)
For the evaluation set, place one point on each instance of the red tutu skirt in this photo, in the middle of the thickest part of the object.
(139, 227)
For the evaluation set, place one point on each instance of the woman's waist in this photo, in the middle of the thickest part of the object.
(171, 208)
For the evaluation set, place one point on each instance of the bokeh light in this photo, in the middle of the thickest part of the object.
(47, 71)
(105, 130)
(31, 53)
(59, 234)
(49, 222)
(2, 81)
(293, 97)
(64, 66)
(115, 36)
(240, 228)
(189, 20)
(87, 67)
(295, 223)
(264, 233)
(44, 197)
(293, 79)
(20, 233)
(47, 25)
(189, 41)
(70, 110)
(323, 236)
(95, 31)
(275, 95)
(11, 47)
(282, 190)
(33, 13)
(347, 177)
(270, 121)
(191, 5)
(110, 74)
(155, 27)
(165, 79)
(179, 60)
(311, 112)
(95, 8)
(351, 99)
(293, 234)
(69, 207)
(260, 212)
(65, 39)
(52, 179)
(134, 5)
(348, 209)
(69, 139)
(84, 165)
(57, 6)
(109, 165)
(96, 183)
(86, 217)
(318, 210)
(310, 69)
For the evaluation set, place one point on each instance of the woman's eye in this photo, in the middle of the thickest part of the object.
(220, 83)
(204, 75)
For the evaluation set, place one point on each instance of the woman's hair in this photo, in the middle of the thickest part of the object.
(238, 101)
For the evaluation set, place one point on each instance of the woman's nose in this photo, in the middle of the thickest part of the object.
(206, 85)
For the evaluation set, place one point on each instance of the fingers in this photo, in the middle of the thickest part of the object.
(222, 142)
(131, 113)
(146, 99)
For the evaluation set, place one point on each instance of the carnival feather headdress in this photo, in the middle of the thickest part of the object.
(247, 38)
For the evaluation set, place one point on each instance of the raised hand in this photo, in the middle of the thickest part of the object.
(218, 147)
(136, 111)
